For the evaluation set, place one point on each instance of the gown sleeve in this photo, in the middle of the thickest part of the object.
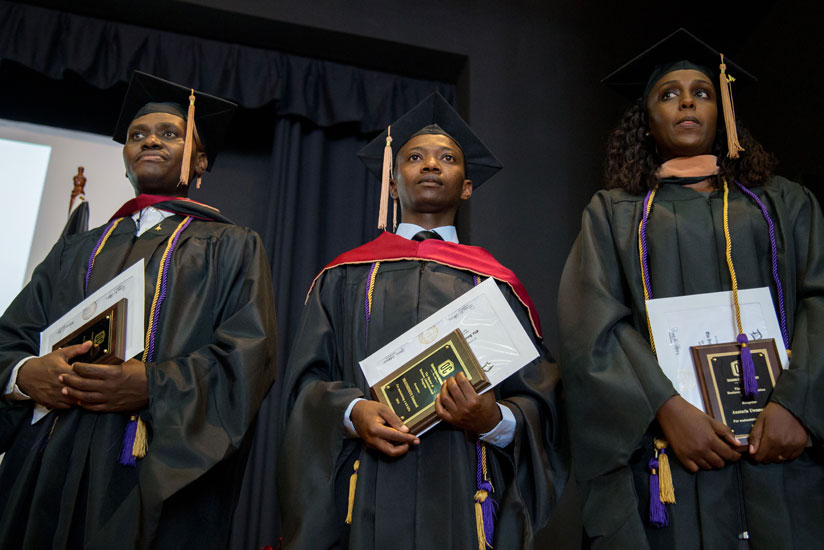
(202, 402)
(613, 383)
(800, 387)
(313, 403)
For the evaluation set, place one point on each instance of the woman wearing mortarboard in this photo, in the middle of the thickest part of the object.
(691, 208)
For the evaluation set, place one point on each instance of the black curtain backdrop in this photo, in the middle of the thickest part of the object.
(288, 169)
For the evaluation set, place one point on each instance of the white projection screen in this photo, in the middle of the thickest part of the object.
(37, 164)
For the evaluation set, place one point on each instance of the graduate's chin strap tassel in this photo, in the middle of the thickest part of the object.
(353, 482)
(733, 146)
(187, 142)
(385, 176)
(485, 507)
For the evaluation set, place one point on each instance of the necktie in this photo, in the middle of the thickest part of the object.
(426, 234)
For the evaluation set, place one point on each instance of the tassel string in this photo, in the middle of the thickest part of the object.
(779, 291)
(98, 247)
(135, 437)
(643, 255)
(187, 142)
(160, 290)
(733, 145)
(367, 302)
(386, 175)
(750, 383)
(353, 483)
(485, 506)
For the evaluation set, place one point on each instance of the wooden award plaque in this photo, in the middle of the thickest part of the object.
(411, 389)
(107, 332)
(722, 387)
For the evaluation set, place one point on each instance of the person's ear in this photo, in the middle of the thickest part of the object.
(201, 163)
(466, 190)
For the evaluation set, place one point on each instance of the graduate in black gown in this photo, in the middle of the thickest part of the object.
(414, 492)
(147, 453)
(674, 172)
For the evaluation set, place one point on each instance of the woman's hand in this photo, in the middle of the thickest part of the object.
(777, 435)
(699, 441)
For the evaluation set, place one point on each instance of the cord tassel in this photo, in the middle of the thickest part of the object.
(394, 214)
(485, 506)
(658, 516)
(747, 368)
(485, 511)
(353, 482)
(187, 142)
(141, 439)
(733, 146)
(666, 487)
(126, 456)
(385, 176)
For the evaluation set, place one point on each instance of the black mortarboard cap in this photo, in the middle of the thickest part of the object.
(679, 50)
(150, 94)
(481, 164)
(683, 50)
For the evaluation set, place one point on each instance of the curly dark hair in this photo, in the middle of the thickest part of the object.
(632, 157)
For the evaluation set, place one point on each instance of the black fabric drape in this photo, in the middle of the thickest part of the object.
(105, 52)
(319, 203)
(288, 169)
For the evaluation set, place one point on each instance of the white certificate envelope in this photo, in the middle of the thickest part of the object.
(684, 321)
(129, 285)
(489, 325)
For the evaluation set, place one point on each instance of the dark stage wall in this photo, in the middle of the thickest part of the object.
(530, 87)
(532, 83)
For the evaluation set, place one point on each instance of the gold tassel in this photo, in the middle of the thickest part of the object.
(385, 175)
(353, 481)
(480, 496)
(667, 489)
(394, 215)
(733, 146)
(199, 180)
(187, 143)
(141, 440)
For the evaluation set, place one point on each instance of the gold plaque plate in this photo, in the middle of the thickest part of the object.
(411, 389)
(719, 374)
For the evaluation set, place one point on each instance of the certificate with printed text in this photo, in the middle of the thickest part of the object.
(128, 286)
(498, 341)
(701, 319)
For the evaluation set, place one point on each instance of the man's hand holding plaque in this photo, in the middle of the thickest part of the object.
(459, 404)
(39, 377)
(107, 388)
(381, 429)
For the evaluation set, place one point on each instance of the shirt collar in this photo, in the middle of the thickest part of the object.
(447, 232)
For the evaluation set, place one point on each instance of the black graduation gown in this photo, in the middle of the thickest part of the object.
(614, 385)
(61, 485)
(425, 498)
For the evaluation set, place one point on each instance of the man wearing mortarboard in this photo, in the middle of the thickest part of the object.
(149, 452)
(350, 474)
